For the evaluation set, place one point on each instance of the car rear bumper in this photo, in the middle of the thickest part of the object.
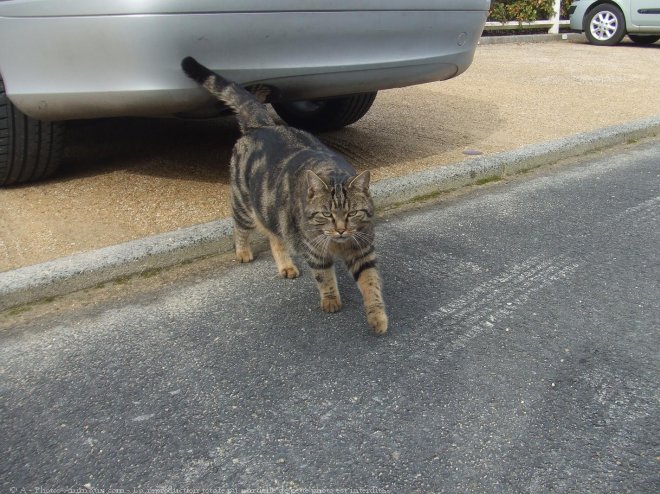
(68, 66)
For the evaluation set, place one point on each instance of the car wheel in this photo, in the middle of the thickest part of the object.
(328, 114)
(29, 149)
(605, 25)
(643, 39)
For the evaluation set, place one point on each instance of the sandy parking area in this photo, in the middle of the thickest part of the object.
(128, 178)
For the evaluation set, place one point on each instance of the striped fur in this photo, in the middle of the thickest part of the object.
(302, 195)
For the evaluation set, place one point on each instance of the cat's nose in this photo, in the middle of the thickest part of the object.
(340, 231)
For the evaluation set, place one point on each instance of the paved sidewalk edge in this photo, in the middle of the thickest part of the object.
(88, 269)
(530, 38)
(390, 192)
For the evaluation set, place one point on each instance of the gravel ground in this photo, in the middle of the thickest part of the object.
(127, 178)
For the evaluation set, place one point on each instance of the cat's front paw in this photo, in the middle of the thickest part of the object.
(244, 255)
(378, 321)
(330, 304)
(289, 272)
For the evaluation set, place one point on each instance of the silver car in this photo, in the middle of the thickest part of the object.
(321, 60)
(607, 22)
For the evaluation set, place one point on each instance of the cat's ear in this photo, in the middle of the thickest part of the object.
(315, 184)
(361, 181)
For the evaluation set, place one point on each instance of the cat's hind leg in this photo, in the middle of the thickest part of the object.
(242, 244)
(243, 226)
(285, 266)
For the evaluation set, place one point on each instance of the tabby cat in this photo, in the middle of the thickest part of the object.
(302, 195)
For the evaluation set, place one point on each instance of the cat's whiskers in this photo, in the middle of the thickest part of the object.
(317, 241)
(357, 237)
(325, 246)
(363, 237)
(321, 242)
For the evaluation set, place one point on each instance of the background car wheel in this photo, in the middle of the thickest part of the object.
(329, 114)
(605, 25)
(29, 149)
(643, 40)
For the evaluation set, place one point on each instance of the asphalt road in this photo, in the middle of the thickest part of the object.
(523, 357)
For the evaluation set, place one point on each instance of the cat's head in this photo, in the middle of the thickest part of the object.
(340, 209)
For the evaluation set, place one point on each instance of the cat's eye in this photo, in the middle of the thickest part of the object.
(326, 214)
(353, 213)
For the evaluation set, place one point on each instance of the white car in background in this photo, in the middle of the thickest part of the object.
(606, 22)
(322, 60)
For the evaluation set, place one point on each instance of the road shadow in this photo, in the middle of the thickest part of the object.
(399, 128)
(197, 150)
(628, 43)
(624, 43)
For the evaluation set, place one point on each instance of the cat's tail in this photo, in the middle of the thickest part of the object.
(250, 112)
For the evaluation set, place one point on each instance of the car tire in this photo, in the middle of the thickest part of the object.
(604, 25)
(643, 39)
(328, 114)
(29, 149)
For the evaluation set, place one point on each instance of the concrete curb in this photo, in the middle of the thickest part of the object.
(68, 274)
(88, 269)
(530, 38)
(391, 192)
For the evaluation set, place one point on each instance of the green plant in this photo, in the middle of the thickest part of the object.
(525, 10)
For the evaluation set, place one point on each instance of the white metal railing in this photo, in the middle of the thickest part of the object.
(552, 24)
